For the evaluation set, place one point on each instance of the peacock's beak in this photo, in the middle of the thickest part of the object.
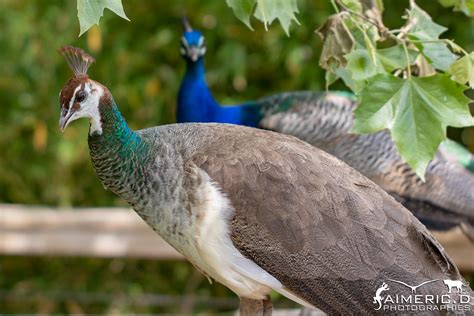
(65, 117)
(194, 53)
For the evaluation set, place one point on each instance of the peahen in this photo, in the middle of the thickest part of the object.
(257, 210)
(324, 120)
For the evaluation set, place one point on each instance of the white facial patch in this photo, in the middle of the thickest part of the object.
(71, 102)
(184, 42)
(89, 107)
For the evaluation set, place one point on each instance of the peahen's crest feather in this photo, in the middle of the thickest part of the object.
(77, 59)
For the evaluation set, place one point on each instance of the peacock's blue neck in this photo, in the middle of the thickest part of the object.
(196, 70)
(196, 103)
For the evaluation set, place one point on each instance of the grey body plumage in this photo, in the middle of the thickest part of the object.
(327, 233)
(324, 120)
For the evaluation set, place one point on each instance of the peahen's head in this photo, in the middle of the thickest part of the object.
(192, 43)
(81, 96)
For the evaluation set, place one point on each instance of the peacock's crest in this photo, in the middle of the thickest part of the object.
(77, 59)
(186, 25)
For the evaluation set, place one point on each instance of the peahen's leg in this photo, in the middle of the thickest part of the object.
(250, 307)
(267, 307)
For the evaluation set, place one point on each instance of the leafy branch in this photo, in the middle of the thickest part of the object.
(414, 86)
(410, 93)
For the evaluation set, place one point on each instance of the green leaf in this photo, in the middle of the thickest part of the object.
(90, 12)
(345, 75)
(284, 10)
(266, 11)
(462, 70)
(439, 55)
(422, 27)
(330, 78)
(416, 110)
(338, 41)
(467, 6)
(341, 72)
(448, 3)
(394, 57)
(353, 5)
(242, 9)
(361, 65)
(379, 5)
(364, 33)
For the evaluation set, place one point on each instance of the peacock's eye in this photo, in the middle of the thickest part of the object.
(81, 96)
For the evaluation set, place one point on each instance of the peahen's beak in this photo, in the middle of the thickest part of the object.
(65, 117)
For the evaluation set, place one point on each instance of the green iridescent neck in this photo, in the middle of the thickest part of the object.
(115, 132)
(117, 151)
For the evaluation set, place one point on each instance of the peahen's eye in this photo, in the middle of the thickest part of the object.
(81, 96)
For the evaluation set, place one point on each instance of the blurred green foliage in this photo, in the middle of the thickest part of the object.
(97, 286)
(139, 62)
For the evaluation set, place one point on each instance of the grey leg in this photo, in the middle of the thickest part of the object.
(250, 307)
(267, 307)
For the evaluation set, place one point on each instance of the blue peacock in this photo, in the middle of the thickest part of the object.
(194, 90)
(324, 120)
(257, 210)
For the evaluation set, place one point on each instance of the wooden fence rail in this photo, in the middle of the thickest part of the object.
(119, 232)
(90, 232)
